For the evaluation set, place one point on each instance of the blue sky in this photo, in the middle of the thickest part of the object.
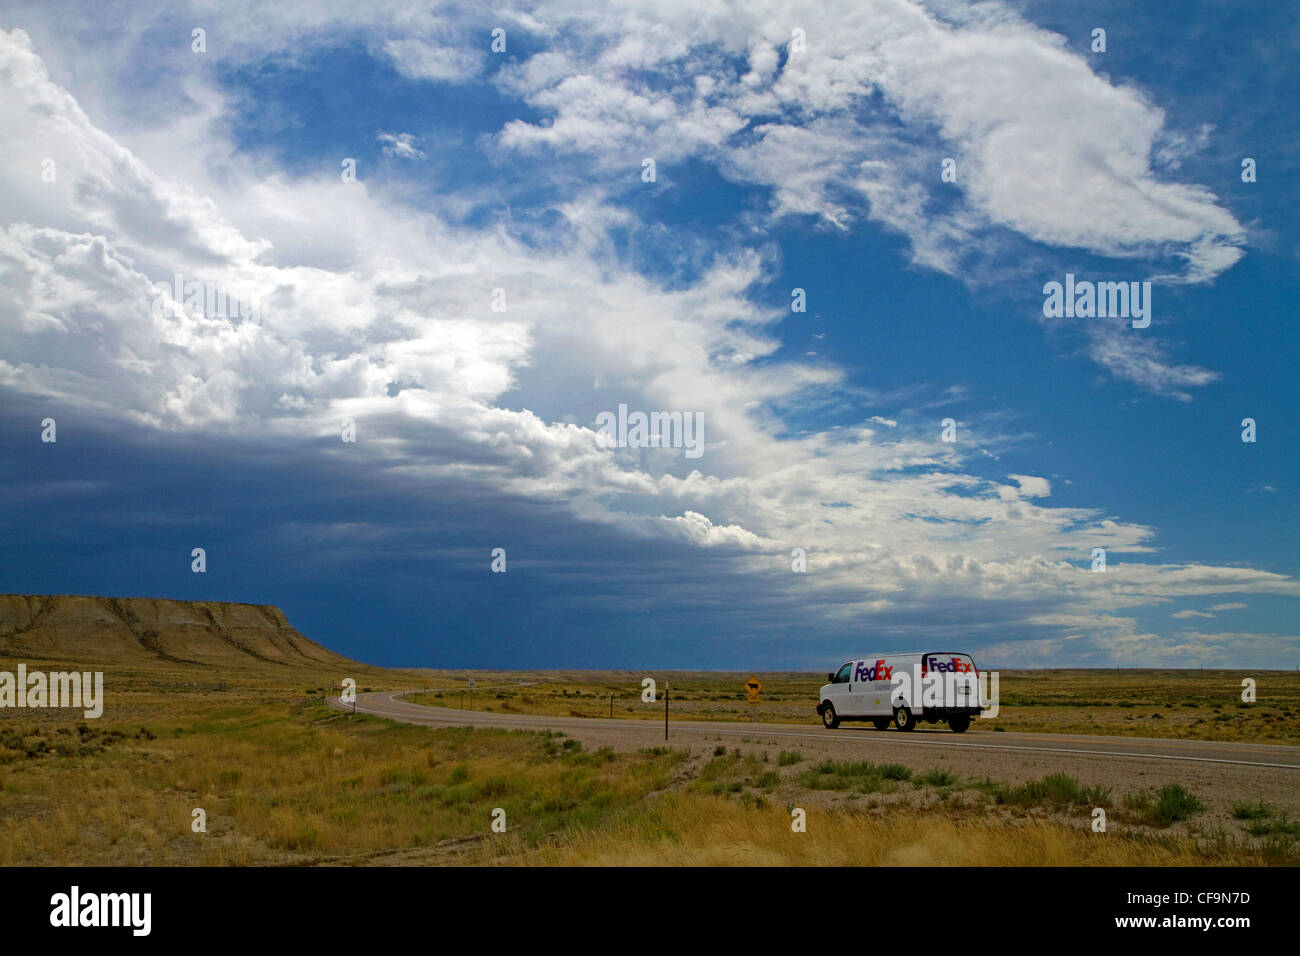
(795, 147)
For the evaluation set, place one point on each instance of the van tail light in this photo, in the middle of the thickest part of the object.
(923, 668)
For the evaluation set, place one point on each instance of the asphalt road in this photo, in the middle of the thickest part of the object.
(854, 739)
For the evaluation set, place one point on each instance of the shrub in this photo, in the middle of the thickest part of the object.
(1280, 827)
(1251, 811)
(850, 775)
(1169, 804)
(1055, 789)
(937, 778)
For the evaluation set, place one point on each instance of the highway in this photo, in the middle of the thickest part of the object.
(861, 741)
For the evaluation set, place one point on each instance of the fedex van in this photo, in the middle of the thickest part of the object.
(903, 689)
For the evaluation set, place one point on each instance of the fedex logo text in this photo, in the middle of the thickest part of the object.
(862, 673)
(954, 666)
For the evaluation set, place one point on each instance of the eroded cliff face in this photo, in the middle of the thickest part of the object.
(139, 630)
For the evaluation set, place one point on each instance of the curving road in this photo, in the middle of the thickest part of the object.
(1122, 754)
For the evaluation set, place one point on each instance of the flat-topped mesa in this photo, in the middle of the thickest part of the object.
(143, 630)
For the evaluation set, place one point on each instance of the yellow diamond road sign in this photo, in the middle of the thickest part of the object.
(753, 686)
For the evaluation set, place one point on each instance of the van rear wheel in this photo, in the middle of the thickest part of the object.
(881, 723)
(959, 724)
(830, 719)
(904, 719)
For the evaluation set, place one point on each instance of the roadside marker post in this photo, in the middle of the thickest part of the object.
(665, 711)
(611, 706)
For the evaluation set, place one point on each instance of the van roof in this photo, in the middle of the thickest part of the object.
(890, 656)
(909, 653)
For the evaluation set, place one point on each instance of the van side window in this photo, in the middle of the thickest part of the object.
(843, 676)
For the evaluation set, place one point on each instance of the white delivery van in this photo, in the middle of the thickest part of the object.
(903, 689)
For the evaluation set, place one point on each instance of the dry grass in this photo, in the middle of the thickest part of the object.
(285, 780)
(699, 830)
(1154, 703)
(296, 783)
